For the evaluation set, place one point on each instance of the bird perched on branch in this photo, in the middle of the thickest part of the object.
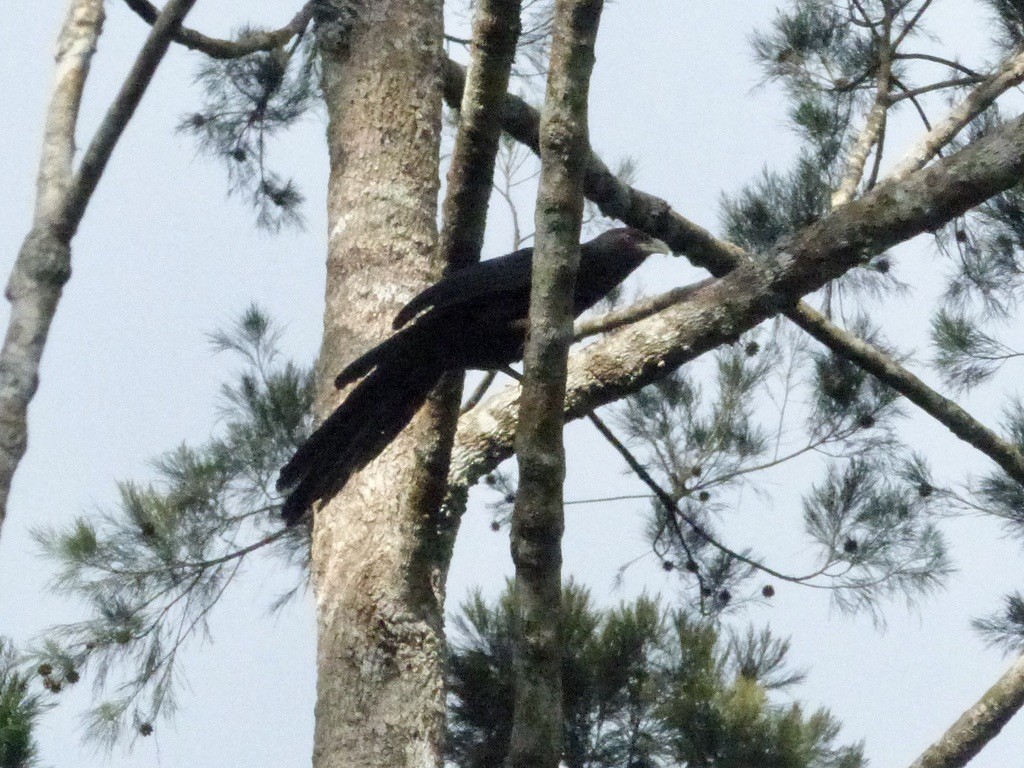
(475, 318)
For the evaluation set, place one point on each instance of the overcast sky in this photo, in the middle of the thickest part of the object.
(163, 258)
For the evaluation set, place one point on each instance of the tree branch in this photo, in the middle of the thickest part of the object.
(496, 27)
(875, 123)
(43, 265)
(637, 311)
(120, 112)
(978, 725)
(939, 60)
(1009, 74)
(229, 49)
(538, 518)
(884, 368)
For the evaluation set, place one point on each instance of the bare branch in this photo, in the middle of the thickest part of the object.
(939, 60)
(121, 111)
(638, 311)
(955, 82)
(496, 27)
(229, 49)
(43, 265)
(883, 367)
(978, 725)
(1009, 74)
(874, 126)
(538, 518)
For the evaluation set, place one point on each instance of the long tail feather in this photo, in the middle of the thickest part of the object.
(372, 415)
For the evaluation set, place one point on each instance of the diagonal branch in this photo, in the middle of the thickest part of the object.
(1008, 75)
(120, 112)
(720, 257)
(978, 725)
(874, 127)
(216, 48)
(635, 356)
(883, 367)
(43, 265)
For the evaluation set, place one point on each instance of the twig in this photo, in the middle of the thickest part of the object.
(637, 311)
(229, 49)
(478, 394)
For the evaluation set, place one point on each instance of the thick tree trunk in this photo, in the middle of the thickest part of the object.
(377, 575)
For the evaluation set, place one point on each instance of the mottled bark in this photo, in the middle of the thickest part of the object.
(538, 515)
(637, 355)
(872, 134)
(375, 561)
(43, 265)
(978, 725)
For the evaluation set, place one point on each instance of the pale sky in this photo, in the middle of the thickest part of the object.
(163, 258)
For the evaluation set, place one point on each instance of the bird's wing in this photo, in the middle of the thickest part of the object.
(488, 281)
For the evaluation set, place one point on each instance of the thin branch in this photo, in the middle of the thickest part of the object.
(229, 49)
(478, 394)
(637, 311)
(673, 510)
(909, 26)
(879, 152)
(939, 60)
(496, 27)
(1008, 75)
(121, 110)
(916, 102)
(955, 82)
(872, 132)
(887, 370)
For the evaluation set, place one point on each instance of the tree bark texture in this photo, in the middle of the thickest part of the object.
(376, 569)
(978, 725)
(538, 516)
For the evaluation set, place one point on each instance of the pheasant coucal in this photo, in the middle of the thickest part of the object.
(475, 318)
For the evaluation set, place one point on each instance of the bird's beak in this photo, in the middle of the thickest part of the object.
(653, 245)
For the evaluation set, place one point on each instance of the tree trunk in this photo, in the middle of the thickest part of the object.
(377, 569)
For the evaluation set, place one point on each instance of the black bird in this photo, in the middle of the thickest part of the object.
(475, 318)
